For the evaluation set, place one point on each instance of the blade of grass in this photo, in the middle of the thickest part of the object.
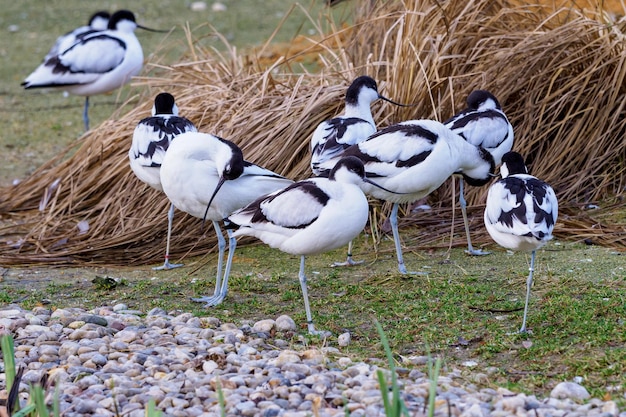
(433, 376)
(384, 390)
(56, 410)
(38, 398)
(25, 411)
(8, 355)
(220, 397)
(151, 410)
(397, 406)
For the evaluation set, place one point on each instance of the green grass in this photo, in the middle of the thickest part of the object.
(467, 308)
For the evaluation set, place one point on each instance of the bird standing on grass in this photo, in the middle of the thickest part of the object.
(331, 137)
(99, 21)
(309, 217)
(97, 63)
(151, 139)
(207, 177)
(412, 159)
(482, 123)
(520, 213)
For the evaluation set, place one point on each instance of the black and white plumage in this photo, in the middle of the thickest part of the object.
(482, 123)
(412, 159)
(333, 136)
(99, 21)
(521, 213)
(151, 139)
(198, 169)
(309, 217)
(97, 63)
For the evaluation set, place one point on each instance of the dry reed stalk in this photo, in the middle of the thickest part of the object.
(549, 70)
(558, 74)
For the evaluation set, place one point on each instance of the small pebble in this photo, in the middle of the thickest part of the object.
(218, 7)
(198, 6)
(569, 390)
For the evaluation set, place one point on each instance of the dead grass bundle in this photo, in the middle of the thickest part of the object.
(559, 77)
(558, 73)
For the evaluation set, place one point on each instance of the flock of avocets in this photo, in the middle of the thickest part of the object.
(208, 177)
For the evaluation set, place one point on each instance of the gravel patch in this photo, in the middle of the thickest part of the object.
(113, 358)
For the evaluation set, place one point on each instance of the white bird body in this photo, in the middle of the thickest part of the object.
(97, 63)
(151, 139)
(309, 216)
(521, 213)
(191, 171)
(415, 157)
(99, 21)
(483, 123)
(328, 142)
(207, 177)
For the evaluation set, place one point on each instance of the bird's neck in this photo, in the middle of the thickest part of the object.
(361, 111)
(473, 163)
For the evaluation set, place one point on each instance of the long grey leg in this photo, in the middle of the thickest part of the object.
(86, 114)
(349, 261)
(529, 284)
(167, 264)
(470, 249)
(221, 245)
(220, 294)
(393, 220)
(305, 295)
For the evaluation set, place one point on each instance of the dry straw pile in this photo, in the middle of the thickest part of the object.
(558, 74)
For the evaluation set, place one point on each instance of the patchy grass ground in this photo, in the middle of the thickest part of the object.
(466, 310)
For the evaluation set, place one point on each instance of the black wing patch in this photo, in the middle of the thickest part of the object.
(308, 188)
(414, 160)
(530, 188)
(409, 129)
(337, 127)
(466, 117)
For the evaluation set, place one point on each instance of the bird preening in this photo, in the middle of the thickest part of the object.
(207, 176)
(414, 158)
(198, 165)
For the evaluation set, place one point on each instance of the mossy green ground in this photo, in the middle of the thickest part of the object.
(466, 309)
